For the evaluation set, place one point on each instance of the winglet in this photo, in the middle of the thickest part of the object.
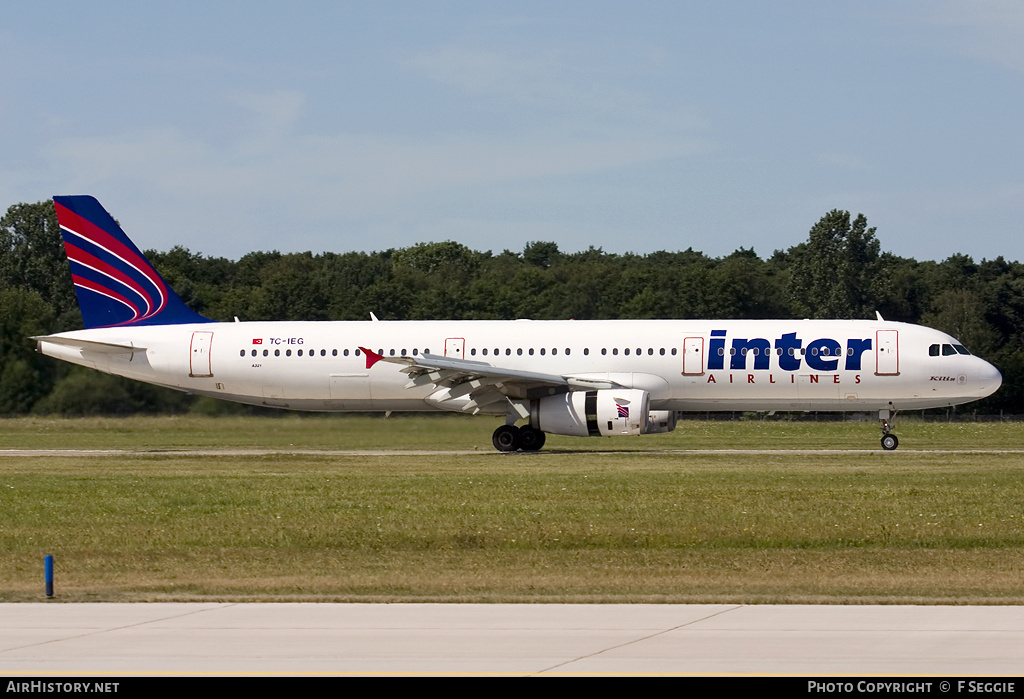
(371, 357)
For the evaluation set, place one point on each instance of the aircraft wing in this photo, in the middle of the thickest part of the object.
(469, 386)
(89, 345)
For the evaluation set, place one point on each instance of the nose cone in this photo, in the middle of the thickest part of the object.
(988, 379)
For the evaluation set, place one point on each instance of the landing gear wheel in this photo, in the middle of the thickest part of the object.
(507, 438)
(886, 416)
(531, 439)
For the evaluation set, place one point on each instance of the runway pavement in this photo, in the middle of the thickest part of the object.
(54, 639)
(226, 451)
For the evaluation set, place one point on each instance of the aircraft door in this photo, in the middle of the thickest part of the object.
(455, 347)
(693, 356)
(199, 354)
(887, 357)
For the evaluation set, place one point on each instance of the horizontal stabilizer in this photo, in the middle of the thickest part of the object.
(89, 345)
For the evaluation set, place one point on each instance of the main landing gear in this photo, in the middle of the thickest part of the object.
(512, 438)
(889, 440)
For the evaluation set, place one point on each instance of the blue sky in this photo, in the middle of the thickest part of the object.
(228, 127)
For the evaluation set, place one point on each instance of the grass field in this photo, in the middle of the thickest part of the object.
(422, 509)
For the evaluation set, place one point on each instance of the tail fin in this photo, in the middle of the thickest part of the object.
(115, 283)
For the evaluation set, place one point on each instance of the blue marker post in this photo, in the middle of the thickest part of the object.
(48, 565)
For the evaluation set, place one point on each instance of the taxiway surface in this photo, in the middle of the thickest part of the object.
(53, 638)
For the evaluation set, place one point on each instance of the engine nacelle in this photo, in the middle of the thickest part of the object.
(661, 421)
(605, 412)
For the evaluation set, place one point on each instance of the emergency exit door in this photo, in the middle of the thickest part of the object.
(693, 356)
(887, 353)
(199, 354)
(455, 347)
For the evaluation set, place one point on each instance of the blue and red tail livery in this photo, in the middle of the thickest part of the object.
(116, 285)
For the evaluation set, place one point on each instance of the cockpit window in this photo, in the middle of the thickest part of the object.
(946, 350)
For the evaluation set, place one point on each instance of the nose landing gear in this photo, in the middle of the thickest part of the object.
(889, 440)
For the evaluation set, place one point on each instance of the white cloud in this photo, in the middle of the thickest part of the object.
(270, 172)
(559, 89)
(269, 157)
(989, 30)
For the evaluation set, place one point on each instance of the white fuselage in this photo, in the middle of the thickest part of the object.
(685, 365)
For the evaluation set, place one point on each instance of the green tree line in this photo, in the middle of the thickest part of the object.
(839, 272)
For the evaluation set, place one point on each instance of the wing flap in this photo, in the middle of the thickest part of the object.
(465, 385)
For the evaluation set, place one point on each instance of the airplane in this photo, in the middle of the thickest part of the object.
(566, 377)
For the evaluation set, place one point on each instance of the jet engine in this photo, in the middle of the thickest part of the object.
(659, 421)
(604, 412)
